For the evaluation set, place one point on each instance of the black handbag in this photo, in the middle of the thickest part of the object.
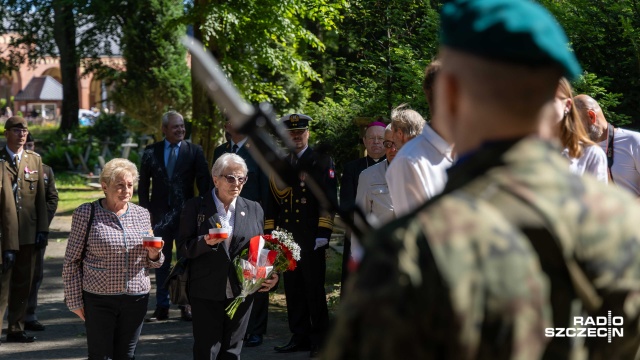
(177, 281)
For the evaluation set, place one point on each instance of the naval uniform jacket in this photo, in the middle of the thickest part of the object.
(29, 194)
(294, 208)
(8, 215)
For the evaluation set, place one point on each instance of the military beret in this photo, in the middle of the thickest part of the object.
(515, 31)
(30, 138)
(15, 121)
(296, 121)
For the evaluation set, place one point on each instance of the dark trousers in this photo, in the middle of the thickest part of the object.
(15, 286)
(38, 275)
(113, 324)
(215, 336)
(306, 298)
(259, 314)
(162, 293)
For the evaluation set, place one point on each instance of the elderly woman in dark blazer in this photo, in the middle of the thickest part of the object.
(106, 266)
(213, 282)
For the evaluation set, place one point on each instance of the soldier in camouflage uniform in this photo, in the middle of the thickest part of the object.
(443, 281)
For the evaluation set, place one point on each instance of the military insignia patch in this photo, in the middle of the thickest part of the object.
(332, 174)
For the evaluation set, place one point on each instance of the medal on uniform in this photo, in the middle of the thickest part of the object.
(303, 200)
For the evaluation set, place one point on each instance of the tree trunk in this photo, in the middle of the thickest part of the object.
(207, 123)
(64, 32)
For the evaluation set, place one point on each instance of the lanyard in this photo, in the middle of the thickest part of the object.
(609, 151)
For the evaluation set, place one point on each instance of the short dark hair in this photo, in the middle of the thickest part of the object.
(429, 80)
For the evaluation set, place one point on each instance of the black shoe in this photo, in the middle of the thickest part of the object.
(34, 325)
(185, 313)
(292, 346)
(315, 353)
(160, 314)
(20, 337)
(253, 340)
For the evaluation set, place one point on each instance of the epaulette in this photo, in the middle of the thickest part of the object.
(32, 153)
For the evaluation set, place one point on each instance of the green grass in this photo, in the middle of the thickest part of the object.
(73, 192)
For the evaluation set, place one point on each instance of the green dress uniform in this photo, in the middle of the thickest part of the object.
(31, 207)
(9, 237)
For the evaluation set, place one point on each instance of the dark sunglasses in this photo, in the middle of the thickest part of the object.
(231, 179)
(389, 144)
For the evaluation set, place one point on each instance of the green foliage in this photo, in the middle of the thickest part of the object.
(156, 77)
(596, 87)
(605, 38)
(389, 45)
(109, 126)
(333, 129)
(258, 43)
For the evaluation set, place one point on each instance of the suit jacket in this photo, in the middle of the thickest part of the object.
(211, 266)
(8, 214)
(191, 166)
(257, 187)
(294, 207)
(349, 180)
(29, 195)
(50, 191)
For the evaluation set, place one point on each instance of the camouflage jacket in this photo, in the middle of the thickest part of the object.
(566, 219)
(564, 215)
(453, 280)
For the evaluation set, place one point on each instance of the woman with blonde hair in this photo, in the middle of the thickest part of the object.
(106, 265)
(584, 155)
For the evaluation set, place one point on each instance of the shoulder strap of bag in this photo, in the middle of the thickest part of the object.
(610, 131)
(86, 234)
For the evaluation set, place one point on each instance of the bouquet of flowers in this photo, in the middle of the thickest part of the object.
(267, 253)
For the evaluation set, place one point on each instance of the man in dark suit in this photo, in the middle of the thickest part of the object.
(373, 139)
(26, 175)
(257, 189)
(51, 196)
(296, 209)
(174, 167)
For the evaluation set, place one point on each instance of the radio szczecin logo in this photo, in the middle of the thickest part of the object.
(598, 326)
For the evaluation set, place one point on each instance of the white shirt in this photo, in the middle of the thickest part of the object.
(373, 198)
(593, 161)
(419, 171)
(626, 159)
(227, 218)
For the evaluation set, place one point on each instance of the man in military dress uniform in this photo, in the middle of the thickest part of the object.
(31, 319)
(9, 242)
(25, 173)
(295, 209)
(257, 189)
(447, 281)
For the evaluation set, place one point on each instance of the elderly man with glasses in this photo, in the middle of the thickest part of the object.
(373, 192)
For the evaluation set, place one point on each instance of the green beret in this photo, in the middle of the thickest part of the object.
(515, 31)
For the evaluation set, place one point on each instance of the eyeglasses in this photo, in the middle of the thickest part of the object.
(19, 131)
(231, 179)
(389, 144)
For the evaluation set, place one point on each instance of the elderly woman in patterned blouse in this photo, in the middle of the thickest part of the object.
(106, 276)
